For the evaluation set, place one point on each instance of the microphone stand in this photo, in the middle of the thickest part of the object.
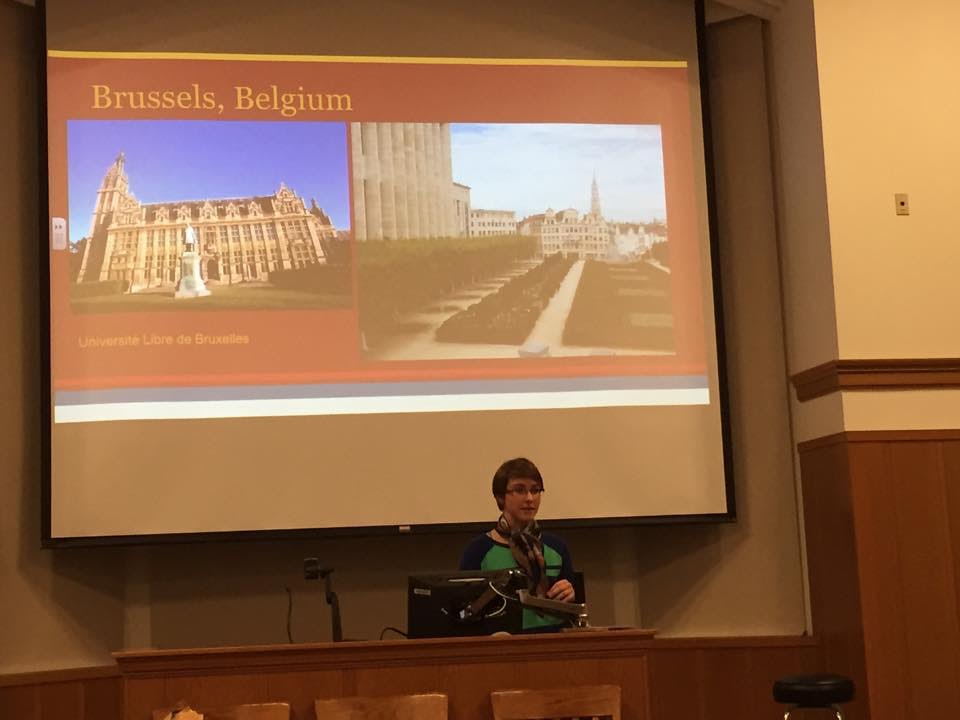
(574, 613)
(313, 571)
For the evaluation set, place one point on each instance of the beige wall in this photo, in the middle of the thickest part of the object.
(891, 106)
(884, 86)
(68, 608)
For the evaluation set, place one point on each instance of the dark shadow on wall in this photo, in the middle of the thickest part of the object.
(70, 603)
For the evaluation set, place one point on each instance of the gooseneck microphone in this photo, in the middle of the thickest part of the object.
(313, 571)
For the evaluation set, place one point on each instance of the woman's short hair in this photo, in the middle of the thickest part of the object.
(515, 469)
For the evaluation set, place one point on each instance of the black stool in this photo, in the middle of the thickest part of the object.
(813, 692)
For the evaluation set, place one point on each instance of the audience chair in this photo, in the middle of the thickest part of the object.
(249, 711)
(426, 706)
(813, 692)
(595, 702)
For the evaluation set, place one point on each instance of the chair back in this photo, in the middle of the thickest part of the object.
(248, 711)
(424, 706)
(593, 702)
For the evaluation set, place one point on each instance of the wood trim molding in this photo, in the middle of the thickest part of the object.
(46, 677)
(868, 436)
(392, 653)
(766, 9)
(882, 374)
(384, 653)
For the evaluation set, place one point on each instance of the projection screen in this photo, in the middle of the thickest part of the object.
(317, 268)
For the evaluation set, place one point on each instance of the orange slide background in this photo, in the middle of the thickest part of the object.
(302, 346)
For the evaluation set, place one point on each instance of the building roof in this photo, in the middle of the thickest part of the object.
(219, 206)
(477, 211)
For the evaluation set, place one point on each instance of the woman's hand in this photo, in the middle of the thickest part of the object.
(561, 590)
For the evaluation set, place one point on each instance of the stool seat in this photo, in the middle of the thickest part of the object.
(813, 691)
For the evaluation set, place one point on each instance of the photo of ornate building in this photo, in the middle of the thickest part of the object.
(239, 239)
(587, 237)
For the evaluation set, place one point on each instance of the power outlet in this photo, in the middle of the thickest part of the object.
(902, 203)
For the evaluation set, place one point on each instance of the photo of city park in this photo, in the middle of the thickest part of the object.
(511, 240)
(233, 215)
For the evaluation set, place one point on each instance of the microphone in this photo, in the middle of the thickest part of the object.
(313, 571)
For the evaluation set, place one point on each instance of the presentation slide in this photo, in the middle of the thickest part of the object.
(360, 240)
(253, 256)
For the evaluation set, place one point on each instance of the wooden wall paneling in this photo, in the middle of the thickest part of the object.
(469, 686)
(927, 580)
(58, 701)
(180, 689)
(19, 701)
(723, 678)
(142, 695)
(200, 692)
(674, 692)
(397, 680)
(898, 493)
(73, 694)
(633, 677)
(102, 699)
(558, 672)
(725, 682)
(225, 690)
(951, 473)
(301, 688)
(882, 595)
(666, 679)
(831, 549)
(833, 563)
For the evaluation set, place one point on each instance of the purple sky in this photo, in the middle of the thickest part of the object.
(171, 160)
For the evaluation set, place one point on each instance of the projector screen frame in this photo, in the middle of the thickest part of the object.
(46, 412)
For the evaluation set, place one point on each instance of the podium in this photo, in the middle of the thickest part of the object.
(716, 678)
(465, 669)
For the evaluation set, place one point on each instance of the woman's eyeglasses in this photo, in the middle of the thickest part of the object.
(521, 491)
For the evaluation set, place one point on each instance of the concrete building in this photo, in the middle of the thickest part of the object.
(461, 208)
(402, 181)
(492, 222)
(530, 225)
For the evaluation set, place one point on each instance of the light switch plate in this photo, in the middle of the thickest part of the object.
(58, 233)
(902, 202)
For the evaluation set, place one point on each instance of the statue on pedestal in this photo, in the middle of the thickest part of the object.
(191, 283)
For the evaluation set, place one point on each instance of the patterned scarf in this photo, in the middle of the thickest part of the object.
(527, 549)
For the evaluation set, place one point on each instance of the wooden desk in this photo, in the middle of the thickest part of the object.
(714, 678)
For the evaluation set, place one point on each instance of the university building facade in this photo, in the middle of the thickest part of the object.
(239, 239)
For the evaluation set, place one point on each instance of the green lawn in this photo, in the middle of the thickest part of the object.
(222, 298)
(622, 306)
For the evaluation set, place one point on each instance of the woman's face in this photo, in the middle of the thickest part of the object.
(521, 501)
